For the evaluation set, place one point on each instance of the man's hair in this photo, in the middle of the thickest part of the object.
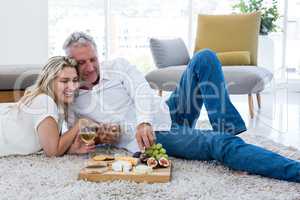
(78, 39)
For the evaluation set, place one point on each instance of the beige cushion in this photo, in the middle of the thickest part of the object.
(233, 58)
(223, 33)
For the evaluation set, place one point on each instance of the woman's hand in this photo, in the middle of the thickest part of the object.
(79, 147)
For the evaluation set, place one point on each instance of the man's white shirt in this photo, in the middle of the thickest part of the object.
(122, 96)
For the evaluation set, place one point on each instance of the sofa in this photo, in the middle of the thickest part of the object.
(14, 79)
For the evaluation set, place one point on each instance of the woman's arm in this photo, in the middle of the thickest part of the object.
(52, 143)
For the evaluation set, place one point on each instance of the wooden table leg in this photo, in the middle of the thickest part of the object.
(258, 100)
(251, 106)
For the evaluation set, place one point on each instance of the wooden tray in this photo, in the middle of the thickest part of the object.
(159, 175)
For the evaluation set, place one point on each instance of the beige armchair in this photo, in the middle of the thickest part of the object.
(234, 34)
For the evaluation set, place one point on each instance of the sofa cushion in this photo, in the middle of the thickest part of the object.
(18, 77)
(239, 79)
(234, 58)
(246, 79)
(169, 52)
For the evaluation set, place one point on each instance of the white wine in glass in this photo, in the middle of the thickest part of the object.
(87, 137)
(87, 134)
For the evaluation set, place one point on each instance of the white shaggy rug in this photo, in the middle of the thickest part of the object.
(38, 177)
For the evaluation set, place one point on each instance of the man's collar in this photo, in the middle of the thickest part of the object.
(104, 75)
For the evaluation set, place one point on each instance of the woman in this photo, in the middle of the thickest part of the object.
(35, 122)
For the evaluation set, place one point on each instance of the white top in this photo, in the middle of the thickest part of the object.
(122, 96)
(18, 126)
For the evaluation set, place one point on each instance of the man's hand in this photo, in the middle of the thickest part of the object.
(144, 135)
(108, 133)
(79, 147)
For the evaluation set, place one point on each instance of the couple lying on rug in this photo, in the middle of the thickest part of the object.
(116, 92)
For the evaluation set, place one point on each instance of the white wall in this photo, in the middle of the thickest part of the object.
(23, 32)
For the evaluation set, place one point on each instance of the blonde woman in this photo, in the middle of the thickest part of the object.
(35, 122)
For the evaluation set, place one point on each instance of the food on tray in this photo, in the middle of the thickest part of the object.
(93, 163)
(144, 158)
(152, 162)
(117, 166)
(163, 162)
(121, 166)
(132, 160)
(142, 169)
(155, 156)
(156, 151)
(103, 157)
(96, 170)
(137, 154)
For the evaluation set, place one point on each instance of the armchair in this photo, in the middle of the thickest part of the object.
(235, 40)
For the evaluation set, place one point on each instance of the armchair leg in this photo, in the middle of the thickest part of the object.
(160, 93)
(251, 107)
(258, 100)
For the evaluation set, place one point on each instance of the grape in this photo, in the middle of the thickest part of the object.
(157, 151)
(162, 151)
(161, 155)
(149, 151)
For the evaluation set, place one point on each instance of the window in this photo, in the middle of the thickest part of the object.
(293, 40)
(134, 22)
(67, 16)
(122, 28)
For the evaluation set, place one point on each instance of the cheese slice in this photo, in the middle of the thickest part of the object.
(121, 166)
(132, 160)
(103, 157)
(143, 169)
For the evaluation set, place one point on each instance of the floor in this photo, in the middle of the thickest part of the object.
(279, 117)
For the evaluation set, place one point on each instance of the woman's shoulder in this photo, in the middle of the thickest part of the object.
(43, 101)
(43, 98)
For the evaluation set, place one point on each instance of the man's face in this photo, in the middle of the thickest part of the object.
(87, 59)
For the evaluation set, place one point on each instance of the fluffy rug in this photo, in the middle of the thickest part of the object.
(38, 177)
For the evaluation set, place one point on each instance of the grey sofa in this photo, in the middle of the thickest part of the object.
(14, 79)
(239, 79)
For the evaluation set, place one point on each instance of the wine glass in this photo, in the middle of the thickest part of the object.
(87, 132)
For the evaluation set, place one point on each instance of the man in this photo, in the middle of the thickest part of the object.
(115, 92)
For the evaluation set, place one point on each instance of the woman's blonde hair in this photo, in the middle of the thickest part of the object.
(44, 82)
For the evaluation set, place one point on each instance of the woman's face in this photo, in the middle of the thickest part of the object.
(65, 84)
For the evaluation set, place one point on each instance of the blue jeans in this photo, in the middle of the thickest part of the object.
(203, 83)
